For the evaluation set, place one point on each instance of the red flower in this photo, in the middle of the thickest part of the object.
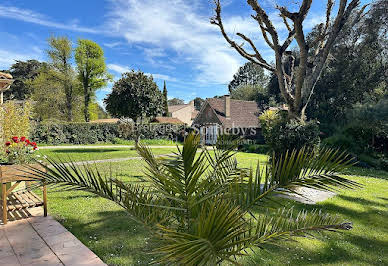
(23, 139)
(8, 143)
(33, 144)
(15, 139)
(35, 148)
(28, 141)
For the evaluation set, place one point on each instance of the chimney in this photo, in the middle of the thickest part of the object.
(227, 106)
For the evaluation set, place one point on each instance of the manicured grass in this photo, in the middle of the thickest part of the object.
(365, 244)
(90, 154)
(156, 142)
(117, 240)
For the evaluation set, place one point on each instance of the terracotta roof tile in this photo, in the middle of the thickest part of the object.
(243, 114)
(174, 108)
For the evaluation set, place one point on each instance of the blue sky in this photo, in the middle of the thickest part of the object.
(170, 39)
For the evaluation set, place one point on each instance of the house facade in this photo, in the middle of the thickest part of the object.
(184, 112)
(227, 116)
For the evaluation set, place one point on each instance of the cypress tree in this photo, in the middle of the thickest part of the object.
(165, 111)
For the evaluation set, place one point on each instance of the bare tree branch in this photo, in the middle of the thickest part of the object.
(256, 57)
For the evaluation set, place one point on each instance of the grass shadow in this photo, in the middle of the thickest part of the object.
(115, 238)
(84, 150)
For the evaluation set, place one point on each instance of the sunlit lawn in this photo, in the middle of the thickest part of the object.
(117, 240)
(89, 154)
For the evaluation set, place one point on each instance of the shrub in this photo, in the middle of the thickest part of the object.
(282, 134)
(255, 148)
(74, 133)
(14, 120)
(90, 133)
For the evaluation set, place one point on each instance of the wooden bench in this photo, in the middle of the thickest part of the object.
(11, 176)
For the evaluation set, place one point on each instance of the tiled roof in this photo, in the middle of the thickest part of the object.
(5, 75)
(243, 114)
(194, 114)
(168, 120)
(174, 108)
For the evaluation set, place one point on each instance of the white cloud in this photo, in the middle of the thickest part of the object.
(9, 57)
(122, 69)
(118, 68)
(112, 44)
(37, 18)
(175, 25)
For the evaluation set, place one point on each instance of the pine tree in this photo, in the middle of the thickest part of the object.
(165, 111)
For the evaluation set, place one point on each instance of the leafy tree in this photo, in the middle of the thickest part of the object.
(22, 71)
(198, 102)
(92, 72)
(199, 204)
(175, 101)
(296, 87)
(165, 100)
(249, 74)
(249, 93)
(60, 54)
(96, 111)
(135, 95)
(357, 72)
(49, 95)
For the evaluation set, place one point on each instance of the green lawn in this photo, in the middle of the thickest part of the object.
(89, 154)
(117, 240)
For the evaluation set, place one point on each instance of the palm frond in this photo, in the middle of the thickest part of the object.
(285, 225)
(139, 202)
(218, 234)
(294, 169)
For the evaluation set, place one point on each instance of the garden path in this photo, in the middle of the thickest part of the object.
(39, 240)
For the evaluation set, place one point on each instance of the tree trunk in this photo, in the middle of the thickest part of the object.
(86, 107)
(69, 106)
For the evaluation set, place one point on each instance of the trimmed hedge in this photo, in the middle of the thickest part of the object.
(91, 133)
(74, 133)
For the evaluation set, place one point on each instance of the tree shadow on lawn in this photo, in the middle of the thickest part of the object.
(84, 150)
(115, 238)
(366, 243)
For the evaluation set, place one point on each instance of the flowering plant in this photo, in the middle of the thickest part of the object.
(20, 150)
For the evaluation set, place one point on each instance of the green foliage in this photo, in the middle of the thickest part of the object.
(56, 88)
(157, 142)
(198, 203)
(249, 74)
(74, 133)
(22, 71)
(91, 68)
(55, 133)
(14, 120)
(282, 134)
(255, 148)
(20, 151)
(364, 138)
(198, 102)
(130, 130)
(135, 95)
(165, 100)
(175, 101)
(358, 68)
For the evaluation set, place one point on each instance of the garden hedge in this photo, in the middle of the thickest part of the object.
(91, 133)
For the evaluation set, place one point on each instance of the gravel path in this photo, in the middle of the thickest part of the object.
(309, 195)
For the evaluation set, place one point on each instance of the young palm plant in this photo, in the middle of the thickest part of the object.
(200, 204)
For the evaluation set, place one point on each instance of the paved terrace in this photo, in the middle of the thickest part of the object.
(31, 239)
